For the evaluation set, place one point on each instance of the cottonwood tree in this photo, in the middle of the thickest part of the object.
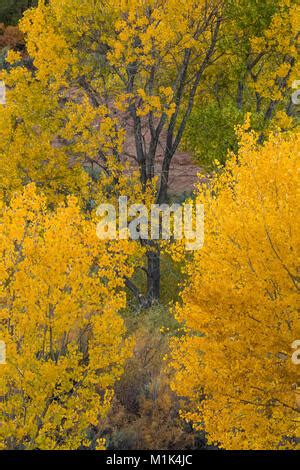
(240, 316)
(138, 62)
(60, 293)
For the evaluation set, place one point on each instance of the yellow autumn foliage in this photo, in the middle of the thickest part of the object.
(60, 293)
(279, 46)
(240, 307)
(99, 75)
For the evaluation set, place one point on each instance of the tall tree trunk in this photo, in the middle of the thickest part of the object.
(153, 287)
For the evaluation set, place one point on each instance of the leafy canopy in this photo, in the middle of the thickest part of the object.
(60, 293)
(240, 304)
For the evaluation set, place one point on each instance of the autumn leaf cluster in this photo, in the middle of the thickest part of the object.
(105, 96)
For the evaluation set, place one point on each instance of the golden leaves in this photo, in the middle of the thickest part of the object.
(242, 298)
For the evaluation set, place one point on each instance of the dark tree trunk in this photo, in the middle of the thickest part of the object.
(153, 288)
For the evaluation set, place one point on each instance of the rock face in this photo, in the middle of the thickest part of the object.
(184, 174)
